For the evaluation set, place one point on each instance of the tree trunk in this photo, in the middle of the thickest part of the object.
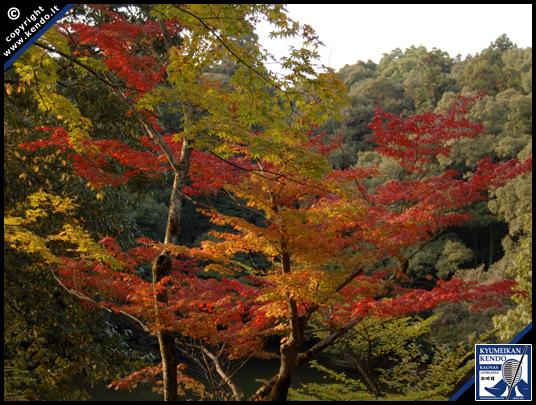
(369, 380)
(289, 355)
(490, 227)
(166, 339)
(289, 349)
(162, 268)
(303, 359)
(177, 194)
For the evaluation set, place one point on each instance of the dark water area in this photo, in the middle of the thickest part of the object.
(245, 380)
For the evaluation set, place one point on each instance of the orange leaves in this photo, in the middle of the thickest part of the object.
(490, 176)
(98, 157)
(209, 173)
(357, 299)
(304, 285)
(216, 311)
(149, 374)
(144, 375)
(421, 202)
(453, 291)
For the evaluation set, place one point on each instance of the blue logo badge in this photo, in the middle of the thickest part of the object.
(503, 372)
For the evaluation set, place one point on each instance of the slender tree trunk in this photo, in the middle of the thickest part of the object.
(289, 349)
(490, 227)
(162, 264)
(369, 380)
(166, 338)
(177, 196)
(305, 358)
(289, 356)
(162, 268)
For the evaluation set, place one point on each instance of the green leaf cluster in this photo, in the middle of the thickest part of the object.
(394, 357)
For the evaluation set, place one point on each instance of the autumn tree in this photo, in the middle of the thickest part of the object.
(155, 60)
(506, 116)
(328, 238)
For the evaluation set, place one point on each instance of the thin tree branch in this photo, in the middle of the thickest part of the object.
(83, 297)
(224, 44)
(219, 369)
(143, 120)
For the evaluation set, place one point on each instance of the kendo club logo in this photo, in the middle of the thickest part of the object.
(503, 372)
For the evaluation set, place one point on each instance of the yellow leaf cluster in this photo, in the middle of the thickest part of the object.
(19, 234)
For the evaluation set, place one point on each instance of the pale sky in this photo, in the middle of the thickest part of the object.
(353, 32)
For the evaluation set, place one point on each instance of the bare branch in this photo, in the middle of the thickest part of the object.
(85, 298)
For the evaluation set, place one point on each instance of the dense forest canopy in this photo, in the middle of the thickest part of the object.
(172, 209)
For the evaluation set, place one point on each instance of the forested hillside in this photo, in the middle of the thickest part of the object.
(173, 210)
(419, 80)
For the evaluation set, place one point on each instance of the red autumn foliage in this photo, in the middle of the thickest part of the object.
(125, 47)
(218, 312)
(98, 163)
